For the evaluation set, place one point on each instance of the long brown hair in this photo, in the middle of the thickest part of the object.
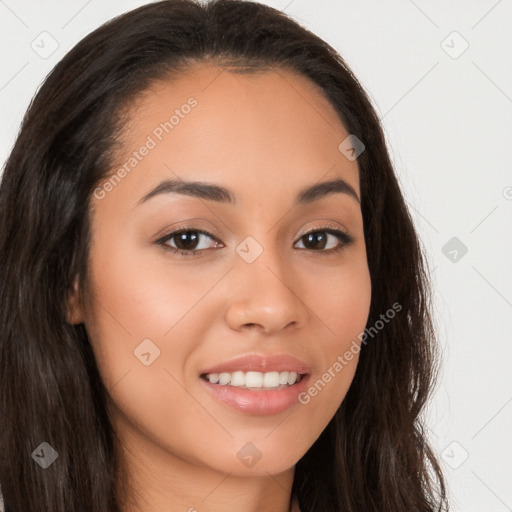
(374, 454)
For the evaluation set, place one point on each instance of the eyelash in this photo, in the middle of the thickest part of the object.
(344, 238)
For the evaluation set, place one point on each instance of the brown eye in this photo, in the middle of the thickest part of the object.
(318, 239)
(186, 241)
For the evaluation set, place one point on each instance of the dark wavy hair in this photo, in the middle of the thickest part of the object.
(374, 454)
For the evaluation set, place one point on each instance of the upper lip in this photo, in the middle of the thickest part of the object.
(261, 363)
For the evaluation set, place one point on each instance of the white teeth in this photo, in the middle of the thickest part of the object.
(253, 380)
(272, 380)
(292, 377)
(237, 379)
(224, 378)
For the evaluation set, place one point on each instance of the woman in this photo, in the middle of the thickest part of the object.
(213, 294)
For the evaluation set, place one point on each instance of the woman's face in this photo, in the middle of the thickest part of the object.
(158, 320)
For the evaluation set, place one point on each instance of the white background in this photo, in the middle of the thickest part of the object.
(448, 121)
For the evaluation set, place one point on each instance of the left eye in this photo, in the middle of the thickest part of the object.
(318, 236)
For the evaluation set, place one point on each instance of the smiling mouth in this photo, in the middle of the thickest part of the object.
(255, 381)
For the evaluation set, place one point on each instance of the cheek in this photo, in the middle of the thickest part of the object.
(142, 306)
(340, 300)
(138, 296)
(130, 305)
(133, 309)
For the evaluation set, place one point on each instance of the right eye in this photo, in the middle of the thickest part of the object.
(187, 240)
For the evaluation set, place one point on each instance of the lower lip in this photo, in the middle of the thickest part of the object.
(258, 402)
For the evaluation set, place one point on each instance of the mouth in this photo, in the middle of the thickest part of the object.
(255, 381)
(242, 392)
(257, 384)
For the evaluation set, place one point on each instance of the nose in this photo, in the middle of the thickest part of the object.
(265, 295)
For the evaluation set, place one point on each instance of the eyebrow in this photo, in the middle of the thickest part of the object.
(221, 194)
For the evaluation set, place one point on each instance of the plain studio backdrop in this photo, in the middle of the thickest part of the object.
(441, 80)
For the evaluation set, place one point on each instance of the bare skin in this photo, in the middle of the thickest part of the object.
(265, 137)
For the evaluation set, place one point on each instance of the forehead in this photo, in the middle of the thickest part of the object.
(272, 126)
(254, 88)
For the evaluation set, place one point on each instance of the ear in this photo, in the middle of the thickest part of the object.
(74, 311)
